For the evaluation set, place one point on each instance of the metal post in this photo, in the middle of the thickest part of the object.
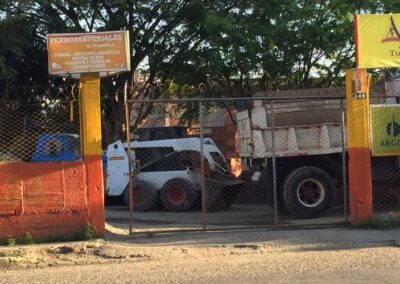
(128, 141)
(344, 164)
(202, 181)
(275, 189)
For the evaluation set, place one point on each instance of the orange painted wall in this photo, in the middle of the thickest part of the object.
(95, 193)
(46, 199)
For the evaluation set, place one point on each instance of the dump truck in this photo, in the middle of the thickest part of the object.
(167, 172)
(307, 151)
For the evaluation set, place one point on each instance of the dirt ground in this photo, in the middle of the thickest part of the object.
(337, 255)
(238, 216)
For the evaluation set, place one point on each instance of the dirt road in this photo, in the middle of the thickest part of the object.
(312, 256)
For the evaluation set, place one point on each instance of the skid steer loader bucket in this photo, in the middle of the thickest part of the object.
(220, 194)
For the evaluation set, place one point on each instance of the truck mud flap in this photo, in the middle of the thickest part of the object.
(220, 194)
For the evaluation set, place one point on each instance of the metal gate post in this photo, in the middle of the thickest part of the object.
(128, 141)
(275, 189)
(344, 163)
(202, 180)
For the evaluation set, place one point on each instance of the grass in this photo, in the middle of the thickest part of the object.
(27, 239)
(10, 241)
(382, 224)
(88, 233)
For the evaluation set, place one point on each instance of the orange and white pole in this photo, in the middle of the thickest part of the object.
(358, 143)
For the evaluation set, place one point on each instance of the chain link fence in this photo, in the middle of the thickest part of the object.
(234, 163)
(39, 132)
(386, 172)
(218, 163)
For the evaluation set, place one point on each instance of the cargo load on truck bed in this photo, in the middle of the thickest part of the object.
(300, 128)
(306, 138)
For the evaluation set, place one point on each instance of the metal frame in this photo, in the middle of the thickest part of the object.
(271, 101)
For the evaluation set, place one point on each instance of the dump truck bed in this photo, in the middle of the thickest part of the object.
(301, 128)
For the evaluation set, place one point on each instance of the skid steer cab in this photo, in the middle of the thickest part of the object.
(167, 173)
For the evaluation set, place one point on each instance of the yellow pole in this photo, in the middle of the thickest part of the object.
(89, 89)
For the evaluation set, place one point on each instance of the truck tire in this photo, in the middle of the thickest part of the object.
(178, 195)
(308, 192)
(144, 196)
(283, 208)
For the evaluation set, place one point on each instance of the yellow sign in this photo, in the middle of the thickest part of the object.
(88, 52)
(377, 40)
(385, 120)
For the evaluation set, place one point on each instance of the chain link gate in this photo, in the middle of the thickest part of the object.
(235, 163)
(167, 190)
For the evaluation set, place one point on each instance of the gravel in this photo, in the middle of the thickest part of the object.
(310, 256)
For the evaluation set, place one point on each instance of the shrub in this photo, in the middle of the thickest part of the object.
(89, 232)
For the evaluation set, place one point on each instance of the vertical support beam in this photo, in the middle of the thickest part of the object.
(89, 89)
(202, 173)
(129, 152)
(274, 181)
(344, 163)
(360, 179)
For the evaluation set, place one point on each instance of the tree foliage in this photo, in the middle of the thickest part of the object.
(240, 45)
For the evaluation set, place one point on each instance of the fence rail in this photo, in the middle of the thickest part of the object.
(216, 163)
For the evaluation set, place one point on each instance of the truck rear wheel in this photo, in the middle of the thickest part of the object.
(144, 196)
(308, 192)
(178, 195)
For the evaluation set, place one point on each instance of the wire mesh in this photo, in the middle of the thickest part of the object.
(307, 143)
(40, 132)
(166, 165)
(266, 162)
(386, 178)
(235, 200)
(385, 187)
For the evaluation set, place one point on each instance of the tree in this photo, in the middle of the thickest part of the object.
(240, 46)
(281, 43)
(155, 28)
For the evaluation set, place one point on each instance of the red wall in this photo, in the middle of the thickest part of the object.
(47, 199)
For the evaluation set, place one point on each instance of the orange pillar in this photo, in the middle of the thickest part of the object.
(89, 89)
(358, 143)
